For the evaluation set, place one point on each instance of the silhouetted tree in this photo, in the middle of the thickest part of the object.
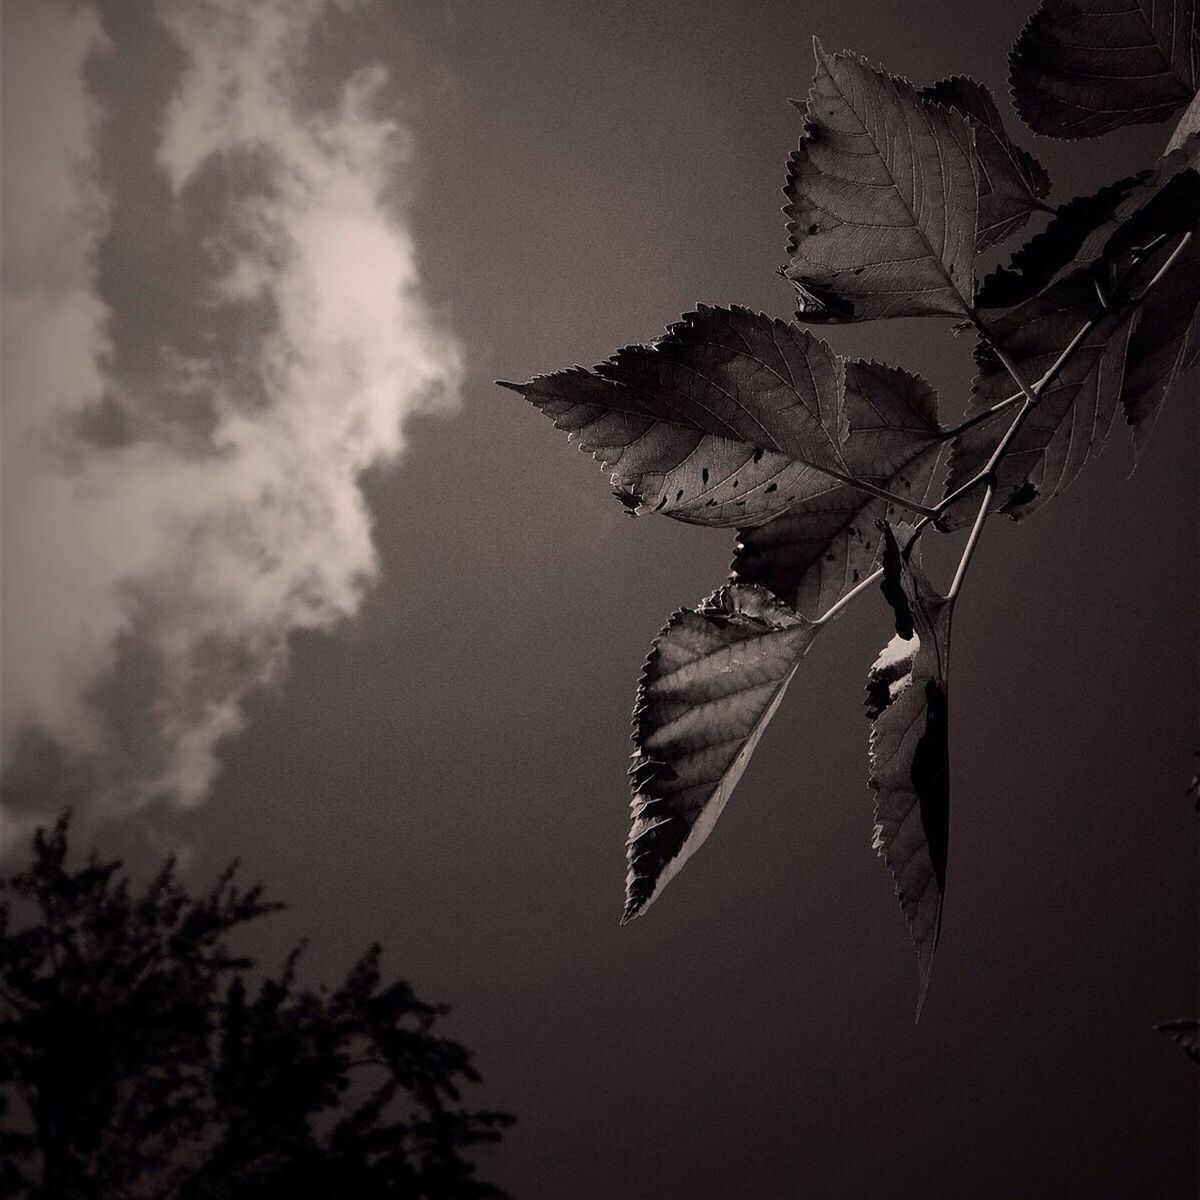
(139, 1059)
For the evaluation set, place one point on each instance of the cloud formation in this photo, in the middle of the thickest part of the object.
(182, 490)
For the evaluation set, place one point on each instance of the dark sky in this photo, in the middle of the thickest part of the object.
(444, 772)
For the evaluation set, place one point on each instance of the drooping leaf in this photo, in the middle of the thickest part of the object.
(1132, 353)
(823, 545)
(1011, 183)
(881, 199)
(1186, 1035)
(910, 756)
(1075, 411)
(1084, 67)
(713, 680)
(727, 420)
(1165, 343)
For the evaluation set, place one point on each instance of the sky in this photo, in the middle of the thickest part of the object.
(287, 578)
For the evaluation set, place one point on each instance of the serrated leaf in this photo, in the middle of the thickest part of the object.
(1084, 67)
(726, 420)
(1076, 409)
(1186, 1035)
(1132, 355)
(1010, 182)
(881, 199)
(713, 680)
(910, 756)
(1061, 244)
(822, 546)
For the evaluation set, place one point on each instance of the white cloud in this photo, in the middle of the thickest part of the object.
(199, 561)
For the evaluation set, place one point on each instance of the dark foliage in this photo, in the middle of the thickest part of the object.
(141, 1056)
(738, 419)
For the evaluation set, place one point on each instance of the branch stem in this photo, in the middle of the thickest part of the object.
(972, 541)
(853, 594)
(1031, 394)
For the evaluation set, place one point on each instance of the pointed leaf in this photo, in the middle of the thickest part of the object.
(1011, 183)
(1075, 411)
(1084, 67)
(1165, 343)
(881, 199)
(910, 757)
(1186, 1035)
(822, 546)
(728, 419)
(712, 682)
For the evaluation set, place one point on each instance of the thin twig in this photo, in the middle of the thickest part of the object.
(1032, 394)
(852, 594)
(972, 541)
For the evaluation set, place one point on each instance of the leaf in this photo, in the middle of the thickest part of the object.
(1084, 67)
(1165, 343)
(881, 199)
(713, 680)
(728, 419)
(1132, 355)
(814, 553)
(1075, 411)
(1010, 182)
(1186, 1035)
(910, 756)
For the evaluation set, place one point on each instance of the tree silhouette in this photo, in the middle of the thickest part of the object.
(140, 1058)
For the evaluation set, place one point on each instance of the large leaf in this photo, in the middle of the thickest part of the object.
(1084, 67)
(713, 680)
(1011, 183)
(727, 420)
(1133, 353)
(881, 199)
(822, 546)
(910, 755)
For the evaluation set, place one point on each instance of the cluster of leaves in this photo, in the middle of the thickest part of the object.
(135, 1059)
(739, 420)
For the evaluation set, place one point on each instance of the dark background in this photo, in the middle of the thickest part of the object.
(446, 773)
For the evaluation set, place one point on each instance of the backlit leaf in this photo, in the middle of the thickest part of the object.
(1011, 183)
(727, 420)
(822, 546)
(713, 680)
(881, 199)
(1084, 67)
(910, 756)
(1076, 409)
